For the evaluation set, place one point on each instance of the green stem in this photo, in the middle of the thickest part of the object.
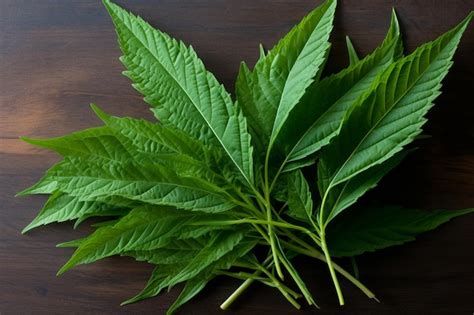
(268, 209)
(356, 282)
(241, 275)
(314, 237)
(273, 246)
(297, 280)
(331, 267)
(289, 294)
(311, 252)
(281, 287)
(307, 250)
(236, 293)
(256, 221)
(324, 247)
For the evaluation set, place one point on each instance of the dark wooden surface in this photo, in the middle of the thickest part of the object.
(58, 56)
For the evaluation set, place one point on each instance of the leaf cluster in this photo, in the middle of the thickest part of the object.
(240, 186)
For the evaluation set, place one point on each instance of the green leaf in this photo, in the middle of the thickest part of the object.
(300, 203)
(269, 92)
(296, 277)
(347, 193)
(99, 142)
(390, 116)
(176, 251)
(353, 58)
(159, 280)
(170, 275)
(180, 90)
(73, 243)
(372, 228)
(153, 227)
(168, 145)
(60, 208)
(185, 194)
(142, 182)
(221, 243)
(190, 290)
(318, 116)
(154, 138)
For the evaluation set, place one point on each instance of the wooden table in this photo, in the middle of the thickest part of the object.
(58, 56)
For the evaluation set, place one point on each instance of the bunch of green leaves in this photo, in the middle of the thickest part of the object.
(219, 182)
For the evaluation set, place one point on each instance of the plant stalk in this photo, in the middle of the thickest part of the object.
(311, 252)
(237, 293)
(331, 267)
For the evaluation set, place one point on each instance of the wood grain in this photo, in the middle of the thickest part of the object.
(58, 56)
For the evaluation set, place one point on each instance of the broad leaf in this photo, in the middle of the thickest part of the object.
(154, 227)
(99, 142)
(142, 182)
(372, 228)
(391, 115)
(269, 92)
(180, 90)
(318, 116)
(191, 289)
(176, 251)
(300, 203)
(220, 244)
(347, 193)
(60, 208)
(168, 275)
(153, 138)
(184, 193)
(168, 145)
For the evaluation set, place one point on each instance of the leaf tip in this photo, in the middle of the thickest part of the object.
(99, 112)
(25, 192)
(107, 3)
(64, 268)
(28, 228)
(61, 271)
(33, 225)
(394, 21)
(130, 301)
(36, 142)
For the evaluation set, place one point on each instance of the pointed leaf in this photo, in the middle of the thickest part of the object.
(176, 251)
(190, 290)
(222, 243)
(167, 275)
(142, 182)
(300, 203)
(353, 58)
(269, 92)
(347, 193)
(141, 226)
(60, 208)
(392, 113)
(318, 116)
(99, 142)
(182, 92)
(152, 137)
(373, 228)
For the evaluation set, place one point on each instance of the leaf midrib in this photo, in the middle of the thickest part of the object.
(329, 109)
(275, 132)
(331, 183)
(370, 131)
(142, 181)
(189, 97)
